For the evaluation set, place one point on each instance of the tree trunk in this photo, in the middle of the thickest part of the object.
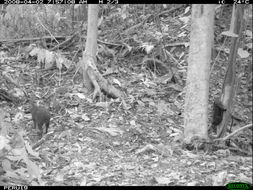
(196, 100)
(228, 86)
(93, 80)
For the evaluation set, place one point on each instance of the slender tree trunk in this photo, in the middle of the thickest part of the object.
(196, 100)
(93, 80)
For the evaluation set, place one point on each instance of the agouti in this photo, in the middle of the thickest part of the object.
(40, 117)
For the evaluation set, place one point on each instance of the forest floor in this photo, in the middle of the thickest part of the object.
(102, 143)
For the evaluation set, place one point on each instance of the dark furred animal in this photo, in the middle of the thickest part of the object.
(40, 117)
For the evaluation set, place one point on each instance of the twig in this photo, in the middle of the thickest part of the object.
(10, 79)
(170, 10)
(65, 42)
(142, 23)
(231, 134)
(177, 44)
(47, 30)
(217, 56)
(42, 140)
(109, 43)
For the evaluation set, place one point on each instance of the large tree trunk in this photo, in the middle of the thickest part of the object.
(93, 80)
(196, 100)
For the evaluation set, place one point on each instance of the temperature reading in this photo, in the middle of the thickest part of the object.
(241, 1)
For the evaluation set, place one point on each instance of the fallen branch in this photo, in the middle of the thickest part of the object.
(32, 39)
